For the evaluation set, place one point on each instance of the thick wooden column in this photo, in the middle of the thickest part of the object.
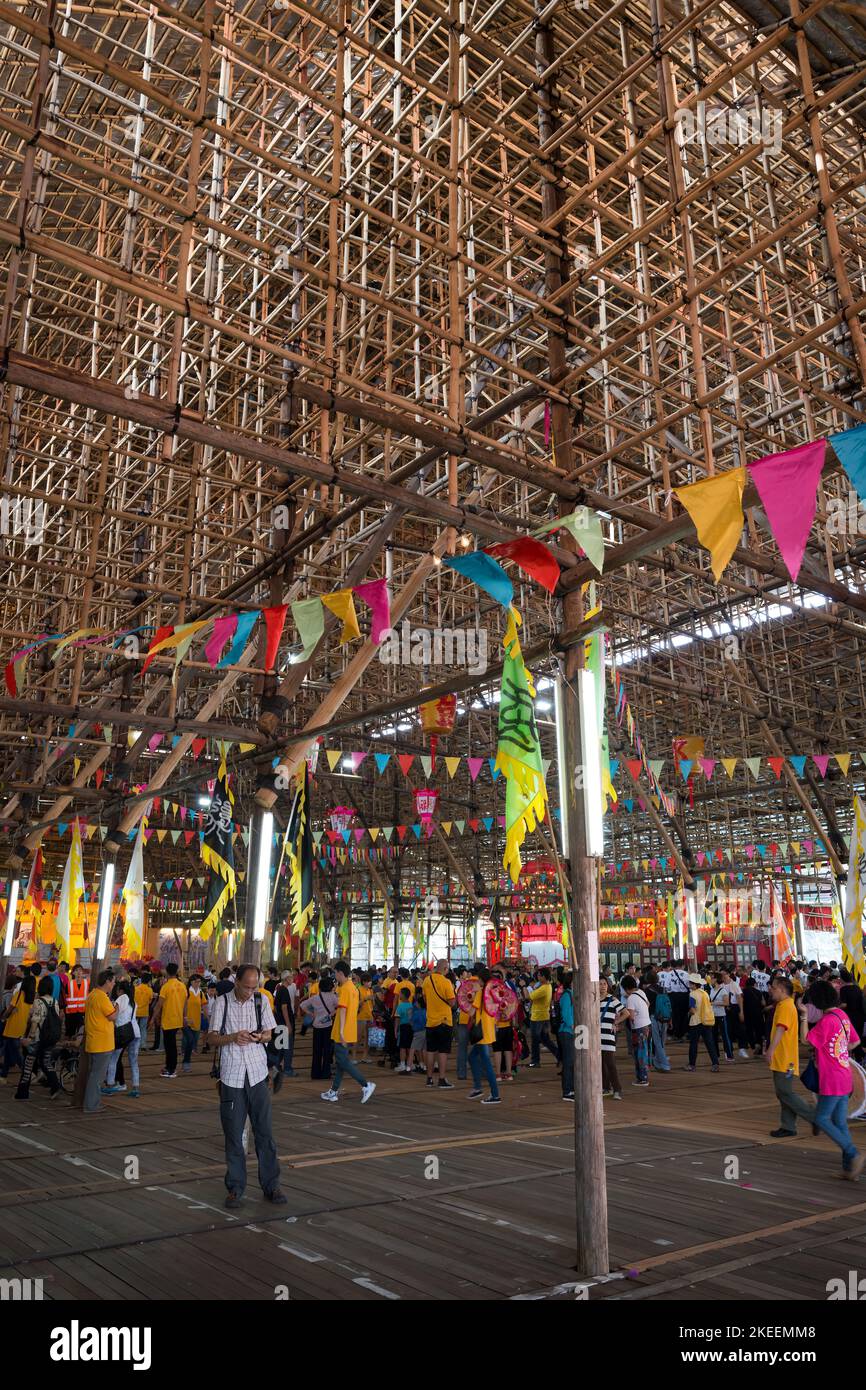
(590, 1181)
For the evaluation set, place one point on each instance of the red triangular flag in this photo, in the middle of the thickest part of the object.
(159, 635)
(776, 764)
(405, 760)
(275, 621)
(197, 746)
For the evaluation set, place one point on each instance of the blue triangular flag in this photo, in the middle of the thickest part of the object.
(798, 762)
(382, 761)
(686, 766)
(484, 571)
(850, 449)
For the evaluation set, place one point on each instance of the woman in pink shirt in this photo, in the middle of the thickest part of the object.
(830, 1039)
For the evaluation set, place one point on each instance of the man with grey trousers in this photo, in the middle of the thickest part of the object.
(241, 1026)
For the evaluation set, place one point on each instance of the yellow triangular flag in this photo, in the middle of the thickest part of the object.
(452, 765)
(446, 826)
(844, 761)
(342, 605)
(715, 505)
(76, 764)
(374, 833)
(161, 834)
(795, 846)
(333, 755)
(247, 747)
(729, 764)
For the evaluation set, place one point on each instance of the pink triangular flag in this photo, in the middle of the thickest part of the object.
(154, 741)
(223, 629)
(707, 765)
(821, 761)
(475, 765)
(357, 759)
(787, 484)
(375, 594)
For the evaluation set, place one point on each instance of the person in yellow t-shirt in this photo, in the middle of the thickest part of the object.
(361, 979)
(540, 995)
(15, 1025)
(169, 1017)
(143, 995)
(702, 1021)
(192, 1019)
(439, 997)
(344, 1032)
(99, 1014)
(482, 1036)
(783, 1059)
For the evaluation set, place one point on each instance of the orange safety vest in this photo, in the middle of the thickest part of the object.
(77, 996)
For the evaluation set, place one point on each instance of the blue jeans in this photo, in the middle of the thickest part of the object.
(661, 1061)
(831, 1115)
(132, 1050)
(462, 1050)
(344, 1064)
(566, 1052)
(721, 1031)
(190, 1043)
(479, 1061)
(539, 1032)
(640, 1044)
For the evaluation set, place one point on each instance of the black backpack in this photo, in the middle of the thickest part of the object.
(49, 1033)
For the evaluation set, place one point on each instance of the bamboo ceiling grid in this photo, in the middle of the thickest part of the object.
(328, 261)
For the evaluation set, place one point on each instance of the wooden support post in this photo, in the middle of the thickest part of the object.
(589, 1159)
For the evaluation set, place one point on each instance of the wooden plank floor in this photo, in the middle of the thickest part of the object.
(366, 1221)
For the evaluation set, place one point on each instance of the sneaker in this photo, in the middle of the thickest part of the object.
(278, 1197)
(569, 1095)
(276, 1081)
(617, 1095)
(853, 1173)
(367, 1092)
(476, 1094)
(689, 1068)
(187, 1066)
(783, 1134)
(729, 1059)
(605, 1094)
(509, 1076)
(714, 1068)
(492, 1100)
(646, 1083)
(233, 1200)
(134, 1094)
(110, 1090)
(169, 1075)
(743, 1053)
(330, 1095)
(430, 1081)
(445, 1085)
(533, 1064)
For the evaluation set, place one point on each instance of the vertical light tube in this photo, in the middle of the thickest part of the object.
(590, 758)
(263, 874)
(561, 770)
(11, 914)
(103, 919)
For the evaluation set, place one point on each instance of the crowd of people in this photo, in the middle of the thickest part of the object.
(487, 1022)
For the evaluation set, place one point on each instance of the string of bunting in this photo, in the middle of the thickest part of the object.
(787, 484)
